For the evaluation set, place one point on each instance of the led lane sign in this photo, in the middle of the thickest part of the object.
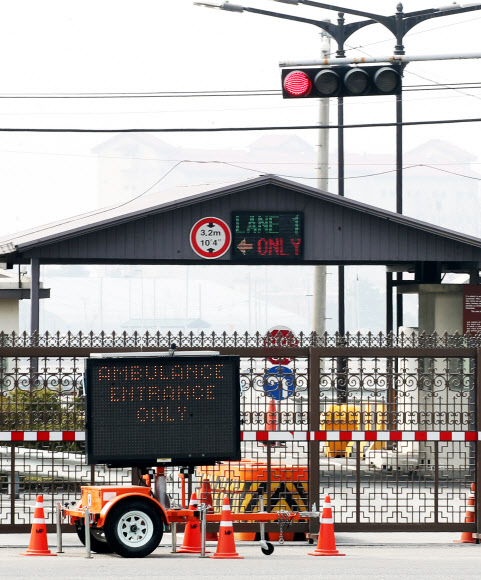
(267, 236)
(163, 410)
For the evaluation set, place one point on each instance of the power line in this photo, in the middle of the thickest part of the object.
(269, 163)
(143, 95)
(451, 172)
(413, 34)
(441, 86)
(394, 170)
(457, 89)
(431, 80)
(100, 211)
(404, 168)
(209, 93)
(304, 103)
(201, 94)
(236, 129)
(176, 164)
(345, 178)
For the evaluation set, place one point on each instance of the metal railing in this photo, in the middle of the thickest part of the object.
(385, 383)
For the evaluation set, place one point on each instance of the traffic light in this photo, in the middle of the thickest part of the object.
(340, 81)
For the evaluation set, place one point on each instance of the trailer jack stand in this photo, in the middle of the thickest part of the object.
(266, 547)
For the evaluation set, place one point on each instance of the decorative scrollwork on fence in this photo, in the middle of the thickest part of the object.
(415, 392)
(41, 394)
(274, 396)
(237, 340)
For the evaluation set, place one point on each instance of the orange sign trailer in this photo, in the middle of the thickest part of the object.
(167, 401)
(130, 521)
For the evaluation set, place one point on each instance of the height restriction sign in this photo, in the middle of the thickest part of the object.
(210, 237)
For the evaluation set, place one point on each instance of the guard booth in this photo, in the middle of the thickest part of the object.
(419, 388)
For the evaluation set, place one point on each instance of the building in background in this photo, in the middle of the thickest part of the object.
(440, 187)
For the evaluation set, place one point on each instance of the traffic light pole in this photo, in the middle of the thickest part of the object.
(398, 62)
(399, 24)
(340, 190)
(341, 362)
(399, 191)
(320, 281)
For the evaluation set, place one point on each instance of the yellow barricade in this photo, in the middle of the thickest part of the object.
(246, 480)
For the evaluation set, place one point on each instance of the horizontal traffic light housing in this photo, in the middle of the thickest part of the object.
(341, 81)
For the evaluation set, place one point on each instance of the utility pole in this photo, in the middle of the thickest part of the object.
(322, 173)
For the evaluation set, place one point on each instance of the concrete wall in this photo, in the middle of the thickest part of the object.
(9, 310)
(441, 397)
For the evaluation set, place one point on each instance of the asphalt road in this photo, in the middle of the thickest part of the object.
(368, 556)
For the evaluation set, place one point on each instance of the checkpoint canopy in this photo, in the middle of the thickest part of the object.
(266, 220)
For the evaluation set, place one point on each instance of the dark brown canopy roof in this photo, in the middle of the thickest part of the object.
(156, 229)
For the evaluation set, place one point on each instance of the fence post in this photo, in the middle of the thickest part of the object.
(477, 493)
(12, 483)
(88, 552)
(269, 476)
(173, 528)
(314, 417)
(59, 529)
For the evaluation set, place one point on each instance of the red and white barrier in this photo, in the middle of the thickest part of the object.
(361, 436)
(42, 436)
(277, 436)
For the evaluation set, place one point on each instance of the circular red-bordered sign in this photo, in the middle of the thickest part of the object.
(280, 336)
(210, 238)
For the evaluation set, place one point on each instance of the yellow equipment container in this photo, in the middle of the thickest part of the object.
(375, 419)
(340, 418)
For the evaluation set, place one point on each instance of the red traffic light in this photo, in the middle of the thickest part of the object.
(297, 84)
(341, 81)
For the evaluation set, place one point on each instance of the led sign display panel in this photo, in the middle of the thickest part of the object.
(150, 411)
(268, 236)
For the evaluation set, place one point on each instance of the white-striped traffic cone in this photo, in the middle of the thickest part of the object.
(470, 518)
(326, 544)
(226, 544)
(38, 537)
(192, 536)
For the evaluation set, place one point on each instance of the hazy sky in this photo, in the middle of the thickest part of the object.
(114, 46)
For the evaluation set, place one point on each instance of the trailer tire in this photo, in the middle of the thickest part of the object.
(133, 528)
(98, 542)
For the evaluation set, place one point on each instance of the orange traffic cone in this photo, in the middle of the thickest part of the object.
(326, 544)
(38, 537)
(271, 416)
(272, 422)
(226, 543)
(469, 518)
(192, 539)
(206, 498)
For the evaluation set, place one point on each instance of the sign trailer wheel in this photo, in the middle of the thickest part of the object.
(98, 542)
(133, 528)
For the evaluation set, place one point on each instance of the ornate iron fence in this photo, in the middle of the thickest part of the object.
(359, 391)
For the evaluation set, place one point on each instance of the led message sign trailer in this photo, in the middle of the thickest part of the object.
(182, 410)
(268, 236)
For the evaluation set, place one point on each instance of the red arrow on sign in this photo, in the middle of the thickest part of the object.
(243, 246)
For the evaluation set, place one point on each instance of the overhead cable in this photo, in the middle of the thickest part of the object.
(235, 129)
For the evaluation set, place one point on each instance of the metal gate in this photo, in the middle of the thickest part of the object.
(387, 425)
